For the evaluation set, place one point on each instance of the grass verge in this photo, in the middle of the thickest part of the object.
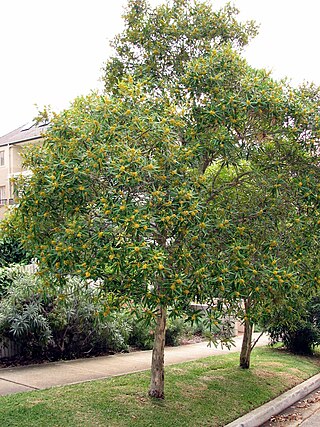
(208, 392)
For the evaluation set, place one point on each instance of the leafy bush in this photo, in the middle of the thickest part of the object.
(302, 335)
(22, 313)
(67, 323)
(59, 325)
(11, 252)
(142, 334)
(7, 276)
(77, 327)
(176, 329)
(303, 339)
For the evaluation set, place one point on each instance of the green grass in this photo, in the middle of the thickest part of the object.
(208, 392)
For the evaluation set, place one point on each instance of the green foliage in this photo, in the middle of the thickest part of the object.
(259, 141)
(112, 197)
(22, 316)
(261, 163)
(302, 334)
(266, 231)
(181, 329)
(61, 323)
(66, 322)
(7, 277)
(177, 329)
(12, 252)
(5, 281)
(141, 334)
(197, 179)
(158, 43)
(302, 340)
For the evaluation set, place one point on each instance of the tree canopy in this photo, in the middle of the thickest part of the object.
(158, 43)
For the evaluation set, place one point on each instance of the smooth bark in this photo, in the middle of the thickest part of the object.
(246, 345)
(157, 365)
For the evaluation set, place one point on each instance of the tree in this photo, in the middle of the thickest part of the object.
(266, 245)
(122, 186)
(158, 43)
(112, 199)
(254, 134)
(185, 31)
(259, 142)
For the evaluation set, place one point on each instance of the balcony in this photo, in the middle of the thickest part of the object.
(4, 202)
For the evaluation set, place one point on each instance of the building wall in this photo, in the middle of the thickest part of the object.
(5, 171)
(12, 166)
(15, 158)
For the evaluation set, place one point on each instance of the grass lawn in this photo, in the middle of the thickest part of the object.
(208, 392)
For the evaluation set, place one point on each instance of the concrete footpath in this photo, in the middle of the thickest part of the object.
(38, 377)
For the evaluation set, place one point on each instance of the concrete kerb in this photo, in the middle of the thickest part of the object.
(262, 414)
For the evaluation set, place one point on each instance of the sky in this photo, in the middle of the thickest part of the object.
(52, 51)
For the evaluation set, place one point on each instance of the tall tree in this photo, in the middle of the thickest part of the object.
(121, 188)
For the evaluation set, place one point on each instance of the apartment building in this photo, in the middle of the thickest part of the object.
(12, 146)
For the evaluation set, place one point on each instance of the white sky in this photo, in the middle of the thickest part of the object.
(53, 50)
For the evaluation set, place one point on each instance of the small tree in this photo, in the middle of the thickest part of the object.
(259, 142)
(112, 199)
(266, 239)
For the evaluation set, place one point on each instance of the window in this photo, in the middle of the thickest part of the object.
(3, 199)
(2, 158)
(11, 193)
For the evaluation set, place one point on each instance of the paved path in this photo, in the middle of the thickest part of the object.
(37, 377)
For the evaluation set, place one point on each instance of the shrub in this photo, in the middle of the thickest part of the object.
(59, 325)
(303, 339)
(176, 329)
(11, 252)
(141, 334)
(7, 276)
(22, 314)
(77, 327)
(142, 331)
(302, 335)
(66, 323)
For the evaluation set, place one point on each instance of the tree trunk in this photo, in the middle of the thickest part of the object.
(157, 365)
(246, 345)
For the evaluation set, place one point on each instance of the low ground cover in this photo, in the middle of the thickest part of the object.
(208, 392)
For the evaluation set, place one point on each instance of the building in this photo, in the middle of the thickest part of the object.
(12, 146)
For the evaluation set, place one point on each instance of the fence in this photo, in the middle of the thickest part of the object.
(8, 349)
(29, 268)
